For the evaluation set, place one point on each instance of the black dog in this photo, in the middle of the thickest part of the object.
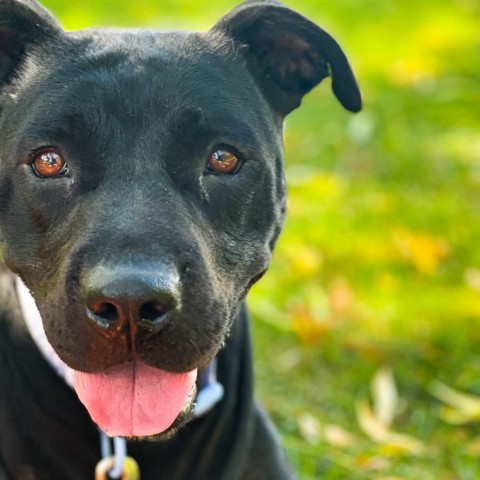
(141, 195)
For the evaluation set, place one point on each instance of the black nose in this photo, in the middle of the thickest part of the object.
(135, 298)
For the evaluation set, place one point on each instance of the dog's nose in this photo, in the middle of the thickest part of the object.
(122, 297)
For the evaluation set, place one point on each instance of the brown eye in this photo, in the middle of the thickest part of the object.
(49, 163)
(223, 161)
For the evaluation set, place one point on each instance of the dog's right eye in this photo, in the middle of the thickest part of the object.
(49, 163)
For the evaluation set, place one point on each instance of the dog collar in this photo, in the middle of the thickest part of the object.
(209, 394)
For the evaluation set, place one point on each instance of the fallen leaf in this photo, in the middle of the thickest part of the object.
(341, 297)
(456, 398)
(338, 437)
(309, 428)
(380, 433)
(457, 417)
(423, 250)
(305, 260)
(372, 462)
(308, 325)
(462, 407)
(385, 395)
(370, 424)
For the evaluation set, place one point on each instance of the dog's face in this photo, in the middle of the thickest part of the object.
(142, 123)
(141, 184)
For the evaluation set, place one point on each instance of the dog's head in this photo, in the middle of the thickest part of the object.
(141, 184)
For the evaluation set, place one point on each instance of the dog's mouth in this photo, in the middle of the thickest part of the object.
(136, 400)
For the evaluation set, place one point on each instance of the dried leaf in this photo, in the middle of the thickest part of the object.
(372, 462)
(464, 407)
(457, 417)
(338, 437)
(398, 444)
(341, 297)
(423, 250)
(385, 395)
(309, 428)
(308, 326)
(370, 424)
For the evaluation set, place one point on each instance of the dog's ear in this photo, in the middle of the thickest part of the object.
(288, 54)
(23, 24)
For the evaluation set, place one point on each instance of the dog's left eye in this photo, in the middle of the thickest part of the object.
(223, 161)
(49, 163)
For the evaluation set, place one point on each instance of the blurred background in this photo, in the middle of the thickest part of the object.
(367, 326)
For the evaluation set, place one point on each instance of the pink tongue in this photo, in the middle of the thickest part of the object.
(134, 399)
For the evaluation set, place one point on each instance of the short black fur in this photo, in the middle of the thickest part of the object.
(136, 115)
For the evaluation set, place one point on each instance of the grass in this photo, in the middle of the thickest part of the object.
(379, 262)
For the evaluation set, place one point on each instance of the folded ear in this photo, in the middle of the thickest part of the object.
(23, 23)
(288, 54)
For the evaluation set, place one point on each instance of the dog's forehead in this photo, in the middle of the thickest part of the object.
(142, 80)
(158, 68)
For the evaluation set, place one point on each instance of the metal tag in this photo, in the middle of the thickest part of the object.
(130, 469)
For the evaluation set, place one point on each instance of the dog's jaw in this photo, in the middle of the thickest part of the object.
(193, 406)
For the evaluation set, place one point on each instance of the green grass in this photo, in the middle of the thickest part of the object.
(379, 262)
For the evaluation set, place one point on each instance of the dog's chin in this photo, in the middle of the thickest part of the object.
(187, 414)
